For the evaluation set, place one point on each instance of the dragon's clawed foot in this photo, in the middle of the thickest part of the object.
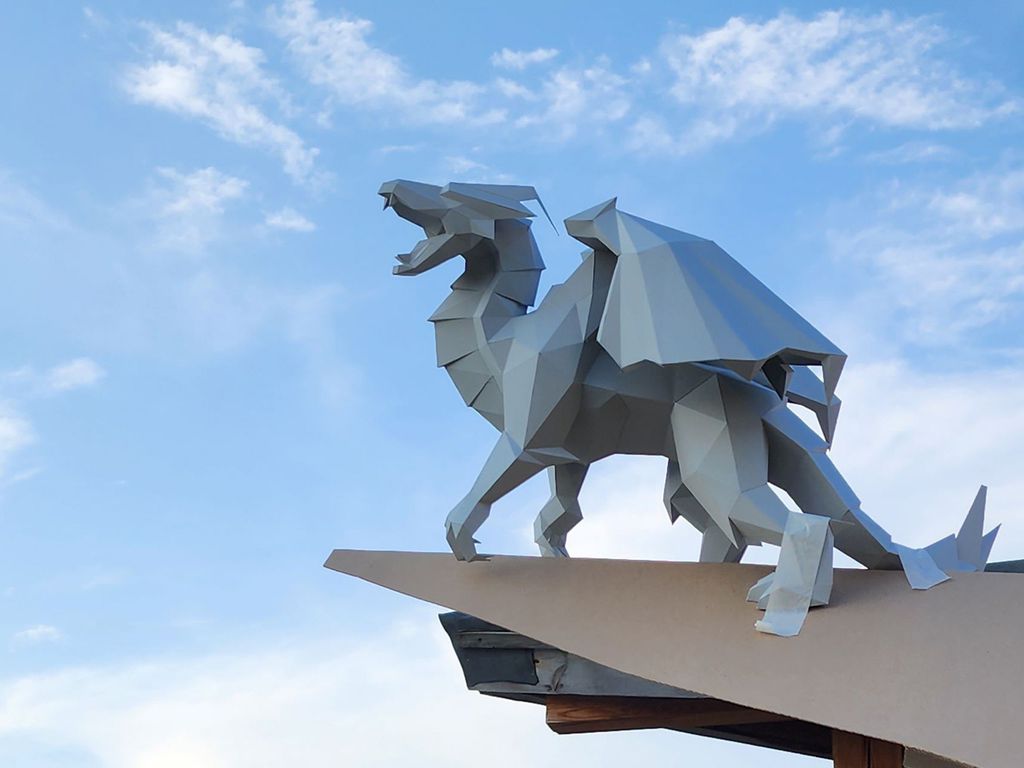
(761, 590)
(463, 546)
(459, 529)
(552, 548)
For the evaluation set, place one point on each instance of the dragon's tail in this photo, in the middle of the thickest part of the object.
(967, 551)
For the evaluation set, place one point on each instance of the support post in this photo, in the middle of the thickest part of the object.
(851, 750)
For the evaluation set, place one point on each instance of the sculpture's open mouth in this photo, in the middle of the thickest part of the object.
(454, 218)
(433, 251)
(408, 262)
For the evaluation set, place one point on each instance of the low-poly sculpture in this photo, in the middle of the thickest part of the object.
(661, 344)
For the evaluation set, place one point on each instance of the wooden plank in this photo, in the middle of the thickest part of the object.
(885, 754)
(596, 714)
(850, 750)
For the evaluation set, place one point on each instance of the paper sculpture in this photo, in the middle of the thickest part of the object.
(659, 343)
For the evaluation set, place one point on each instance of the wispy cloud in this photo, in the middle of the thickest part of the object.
(189, 205)
(459, 164)
(16, 433)
(21, 386)
(222, 82)
(21, 210)
(986, 205)
(883, 69)
(263, 707)
(572, 99)
(94, 18)
(335, 53)
(80, 372)
(509, 59)
(951, 259)
(27, 382)
(204, 190)
(834, 71)
(911, 152)
(40, 633)
(289, 219)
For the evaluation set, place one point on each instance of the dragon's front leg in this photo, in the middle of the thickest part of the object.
(506, 468)
(562, 510)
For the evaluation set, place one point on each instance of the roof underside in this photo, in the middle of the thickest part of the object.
(931, 670)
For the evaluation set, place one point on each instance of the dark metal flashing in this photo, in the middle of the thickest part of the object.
(504, 664)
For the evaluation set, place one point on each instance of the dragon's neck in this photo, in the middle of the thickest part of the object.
(498, 285)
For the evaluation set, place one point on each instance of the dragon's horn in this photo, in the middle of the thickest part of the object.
(495, 201)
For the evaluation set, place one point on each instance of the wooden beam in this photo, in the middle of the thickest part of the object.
(885, 754)
(596, 714)
(851, 750)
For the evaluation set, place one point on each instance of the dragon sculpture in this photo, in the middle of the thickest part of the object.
(659, 343)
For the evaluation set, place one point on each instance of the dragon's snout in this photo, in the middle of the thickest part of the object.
(455, 218)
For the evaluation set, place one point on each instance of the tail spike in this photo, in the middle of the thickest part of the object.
(970, 548)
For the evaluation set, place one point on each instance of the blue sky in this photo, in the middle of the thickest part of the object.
(210, 378)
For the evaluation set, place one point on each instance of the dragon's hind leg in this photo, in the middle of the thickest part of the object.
(722, 451)
(562, 510)
(715, 546)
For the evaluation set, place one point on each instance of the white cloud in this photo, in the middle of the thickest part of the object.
(289, 219)
(742, 76)
(950, 258)
(22, 211)
(915, 445)
(16, 433)
(509, 59)
(94, 18)
(40, 633)
(391, 697)
(511, 89)
(204, 190)
(80, 372)
(458, 164)
(624, 516)
(834, 70)
(985, 206)
(579, 98)
(334, 53)
(391, 149)
(220, 81)
(911, 152)
(25, 384)
(190, 206)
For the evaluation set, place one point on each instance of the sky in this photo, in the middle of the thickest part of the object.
(210, 378)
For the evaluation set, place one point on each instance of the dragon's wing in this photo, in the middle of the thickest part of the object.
(677, 298)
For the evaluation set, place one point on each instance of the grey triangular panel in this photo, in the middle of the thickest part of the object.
(663, 286)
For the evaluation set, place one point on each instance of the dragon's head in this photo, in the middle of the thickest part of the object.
(455, 218)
